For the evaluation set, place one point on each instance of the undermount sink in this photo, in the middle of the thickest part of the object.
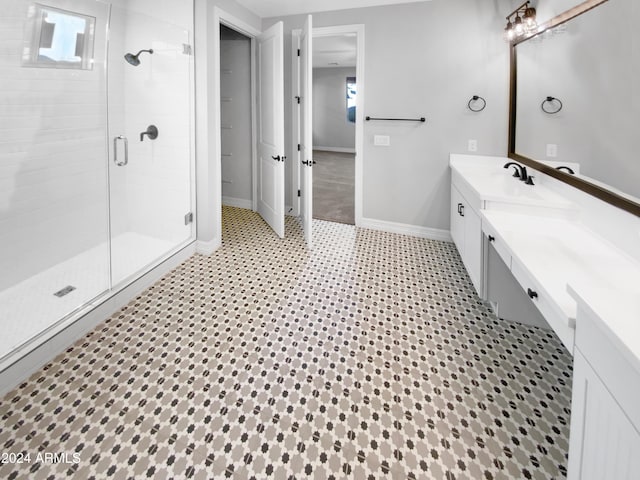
(561, 252)
(492, 182)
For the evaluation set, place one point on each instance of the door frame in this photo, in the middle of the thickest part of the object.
(221, 17)
(358, 30)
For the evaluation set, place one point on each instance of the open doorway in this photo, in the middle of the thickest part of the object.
(266, 119)
(235, 119)
(335, 90)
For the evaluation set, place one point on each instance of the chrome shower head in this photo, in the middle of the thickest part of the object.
(133, 59)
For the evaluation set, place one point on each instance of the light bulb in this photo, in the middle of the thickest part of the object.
(518, 26)
(530, 19)
(509, 33)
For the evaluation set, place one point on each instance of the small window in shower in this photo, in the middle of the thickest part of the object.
(58, 38)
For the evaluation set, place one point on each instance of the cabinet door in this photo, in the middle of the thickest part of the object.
(603, 442)
(473, 246)
(457, 220)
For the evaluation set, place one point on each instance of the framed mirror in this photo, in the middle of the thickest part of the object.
(574, 100)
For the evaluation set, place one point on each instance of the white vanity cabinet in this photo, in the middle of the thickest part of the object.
(480, 183)
(605, 406)
(466, 231)
(571, 256)
(603, 441)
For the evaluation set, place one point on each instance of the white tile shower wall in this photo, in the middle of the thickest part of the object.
(158, 92)
(177, 12)
(53, 187)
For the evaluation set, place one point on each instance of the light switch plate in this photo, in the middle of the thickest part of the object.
(552, 150)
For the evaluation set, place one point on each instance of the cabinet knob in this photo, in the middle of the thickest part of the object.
(461, 209)
(492, 238)
(532, 294)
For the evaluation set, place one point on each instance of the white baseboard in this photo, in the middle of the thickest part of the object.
(237, 202)
(207, 248)
(406, 229)
(336, 149)
(31, 357)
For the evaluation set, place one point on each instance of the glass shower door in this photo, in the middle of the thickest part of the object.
(150, 141)
(54, 235)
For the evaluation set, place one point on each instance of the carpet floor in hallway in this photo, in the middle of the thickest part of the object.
(334, 196)
(370, 357)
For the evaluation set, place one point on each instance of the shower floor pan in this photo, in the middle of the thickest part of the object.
(37, 304)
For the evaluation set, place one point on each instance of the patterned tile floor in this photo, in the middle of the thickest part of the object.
(369, 357)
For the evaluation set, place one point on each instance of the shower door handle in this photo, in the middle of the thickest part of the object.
(115, 150)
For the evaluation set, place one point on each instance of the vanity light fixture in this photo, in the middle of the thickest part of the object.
(520, 22)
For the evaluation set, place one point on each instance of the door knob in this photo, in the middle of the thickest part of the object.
(152, 133)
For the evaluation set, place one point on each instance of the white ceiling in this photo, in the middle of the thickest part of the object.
(276, 8)
(338, 49)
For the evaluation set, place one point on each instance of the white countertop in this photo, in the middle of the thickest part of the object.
(558, 252)
(492, 182)
(571, 262)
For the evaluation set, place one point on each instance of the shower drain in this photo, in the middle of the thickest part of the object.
(66, 290)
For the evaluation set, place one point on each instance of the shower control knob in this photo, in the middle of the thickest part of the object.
(152, 133)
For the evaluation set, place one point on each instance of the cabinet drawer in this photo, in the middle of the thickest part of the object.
(497, 243)
(544, 304)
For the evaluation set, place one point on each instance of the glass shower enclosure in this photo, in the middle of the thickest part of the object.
(96, 164)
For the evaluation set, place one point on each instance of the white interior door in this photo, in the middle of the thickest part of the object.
(306, 127)
(270, 89)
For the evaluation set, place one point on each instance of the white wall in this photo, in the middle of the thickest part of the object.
(235, 102)
(547, 9)
(330, 125)
(422, 59)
